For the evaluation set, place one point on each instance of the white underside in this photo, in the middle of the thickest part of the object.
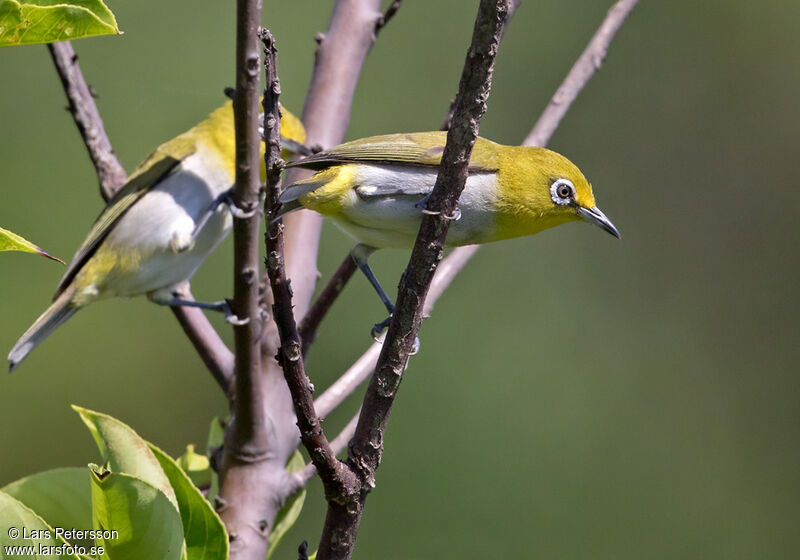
(160, 225)
(391, 219)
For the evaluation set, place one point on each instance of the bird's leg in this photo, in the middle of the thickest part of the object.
(360, 255)
(176, 298)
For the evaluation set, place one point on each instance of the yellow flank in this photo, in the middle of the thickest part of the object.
(106, 265)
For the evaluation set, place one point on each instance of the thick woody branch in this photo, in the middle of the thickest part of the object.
(290, 355)
(344, 514)
(476, 77)
(111, 176)
(248, 437)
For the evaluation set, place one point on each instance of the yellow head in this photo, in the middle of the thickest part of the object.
(539, 189)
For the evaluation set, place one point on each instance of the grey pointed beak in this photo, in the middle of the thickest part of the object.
(596, 217)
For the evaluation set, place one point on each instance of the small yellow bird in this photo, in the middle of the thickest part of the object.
(375, 190)
(158, 229)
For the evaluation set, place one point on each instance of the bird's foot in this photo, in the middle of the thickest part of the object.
(237, 211)
(380, 327)
(423, 206)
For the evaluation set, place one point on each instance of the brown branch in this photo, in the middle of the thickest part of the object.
(338, 444)
(84, 111)
(290, 355)
(390, 12)
(247, 441)
(400, 340)
(321, 306)
(250, 494)
(111, 176)
(206, 341)
(344, 513)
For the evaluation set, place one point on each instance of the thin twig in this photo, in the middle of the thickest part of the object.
(110, 172)
(290, 355)
(321, 306)
(391, 10)
(111, 176)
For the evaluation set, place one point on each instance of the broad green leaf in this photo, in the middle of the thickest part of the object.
(125, 451)
(290, 511)
(27, 22)
(62, 497)
(203, 530)
(147, 524)
(10, 241)
(197, 466)
(16, 517)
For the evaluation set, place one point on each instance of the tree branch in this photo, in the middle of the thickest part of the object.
(252, 493)
(111, 176)
(390, 12)
(323, 303)
(344, 513)
(367, 445)
(290, 355)
(84, 111)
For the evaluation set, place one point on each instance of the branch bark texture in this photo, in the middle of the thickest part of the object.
(344, 512)
(110, 172)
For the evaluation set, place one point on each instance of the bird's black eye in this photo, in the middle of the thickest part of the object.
(562, 192)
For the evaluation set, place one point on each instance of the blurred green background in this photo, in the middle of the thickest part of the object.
(576, 397)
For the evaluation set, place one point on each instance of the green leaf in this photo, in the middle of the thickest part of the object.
(62, 497)
(146, 522)
(125, 451)
(16, 516)
(203, 530)
(290, 511)
(29, 22)
(10, 241)
(197, 466)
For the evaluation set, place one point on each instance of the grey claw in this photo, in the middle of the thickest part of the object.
(237, 212)
(230, 317)
(378, 328)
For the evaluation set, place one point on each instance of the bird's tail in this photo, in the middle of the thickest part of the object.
(61, 310)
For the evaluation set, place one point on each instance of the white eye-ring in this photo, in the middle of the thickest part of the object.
(562, 191)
